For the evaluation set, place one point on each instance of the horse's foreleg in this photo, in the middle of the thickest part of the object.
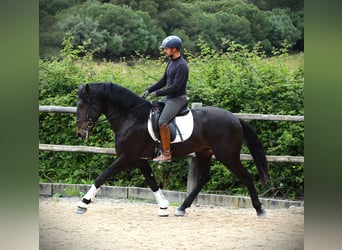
(82, 205)
(113, 169)
(159, 196)
(162, 202)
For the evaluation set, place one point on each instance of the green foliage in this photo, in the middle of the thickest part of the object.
(239, 80)
(72, 192)
(271, 4)
(282, 28)
(114, 30)
(85, 29)
(121, 28)
(222, 181)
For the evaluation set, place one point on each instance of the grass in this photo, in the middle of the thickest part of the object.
(294, 61)
(146, 72)
(137, 76)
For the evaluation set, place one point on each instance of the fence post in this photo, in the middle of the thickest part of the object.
(193, 170)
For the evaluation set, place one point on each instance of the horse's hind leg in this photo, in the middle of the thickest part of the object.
(159, 196)
(246, 178)
(203, 164)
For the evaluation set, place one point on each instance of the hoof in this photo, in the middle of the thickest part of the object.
(163, 212)
(80, 210)
(261, 214)
(179, 212)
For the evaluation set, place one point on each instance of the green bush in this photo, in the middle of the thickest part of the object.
(239, 80)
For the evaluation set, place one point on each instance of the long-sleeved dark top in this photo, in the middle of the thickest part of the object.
(175, 78)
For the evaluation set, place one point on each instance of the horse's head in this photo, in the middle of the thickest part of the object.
(87, 113)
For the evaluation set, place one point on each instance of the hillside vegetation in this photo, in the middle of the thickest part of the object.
(122, 28)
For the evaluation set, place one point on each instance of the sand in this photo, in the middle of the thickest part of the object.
(122, 224)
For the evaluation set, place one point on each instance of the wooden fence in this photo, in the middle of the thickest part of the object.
(100, 150)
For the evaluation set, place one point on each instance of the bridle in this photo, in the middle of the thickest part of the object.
(90, 123)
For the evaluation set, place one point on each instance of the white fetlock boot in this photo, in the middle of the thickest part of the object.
(90, 195)
(162, 202)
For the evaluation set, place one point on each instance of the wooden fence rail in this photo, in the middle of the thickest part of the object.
(111, 151)
(289, 118)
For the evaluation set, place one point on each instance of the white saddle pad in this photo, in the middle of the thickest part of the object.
(185, 124)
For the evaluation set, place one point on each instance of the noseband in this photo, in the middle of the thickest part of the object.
(90, 123)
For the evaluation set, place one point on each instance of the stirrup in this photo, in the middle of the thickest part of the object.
(162, 158)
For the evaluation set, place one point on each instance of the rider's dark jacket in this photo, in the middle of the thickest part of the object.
(175, 78)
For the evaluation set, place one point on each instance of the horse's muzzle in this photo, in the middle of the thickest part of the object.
(83, 133)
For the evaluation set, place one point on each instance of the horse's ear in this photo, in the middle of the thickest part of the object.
(84, 89)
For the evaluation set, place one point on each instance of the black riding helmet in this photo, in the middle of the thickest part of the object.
(171, 42)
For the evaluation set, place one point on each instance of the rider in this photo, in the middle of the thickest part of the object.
(175, 79)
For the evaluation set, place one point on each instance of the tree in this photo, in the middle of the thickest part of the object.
(50, 37)
(170, 20)
(282, 28)
(114, 30)
(149, 6)
(85, 31)
(259, 24)
(234, 28)
(298, 21)
(294, 5)
(120, 28)
(54, 6)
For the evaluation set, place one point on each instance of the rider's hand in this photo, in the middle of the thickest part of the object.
(153, 95)
(145, 94)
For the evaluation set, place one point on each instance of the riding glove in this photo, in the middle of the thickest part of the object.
(145, 94)
(153, 95)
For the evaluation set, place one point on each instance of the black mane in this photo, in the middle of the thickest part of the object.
(123, 99)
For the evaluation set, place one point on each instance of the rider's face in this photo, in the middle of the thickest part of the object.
(169, 51)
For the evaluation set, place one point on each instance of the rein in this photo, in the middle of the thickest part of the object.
(92, 123)
(117, 116)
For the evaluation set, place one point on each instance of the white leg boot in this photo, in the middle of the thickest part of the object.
(90, 195)
(162, 202)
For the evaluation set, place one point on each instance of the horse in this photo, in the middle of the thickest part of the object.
(216, 132)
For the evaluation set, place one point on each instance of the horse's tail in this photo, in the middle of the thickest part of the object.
(255, 147)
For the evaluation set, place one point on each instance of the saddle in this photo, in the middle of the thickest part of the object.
(157, 108)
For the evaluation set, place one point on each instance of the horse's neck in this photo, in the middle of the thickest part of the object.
(124, 116)
(120, 120)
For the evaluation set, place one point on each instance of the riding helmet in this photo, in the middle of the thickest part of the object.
(171, 42)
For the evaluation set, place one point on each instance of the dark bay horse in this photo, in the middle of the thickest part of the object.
(216, 132)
